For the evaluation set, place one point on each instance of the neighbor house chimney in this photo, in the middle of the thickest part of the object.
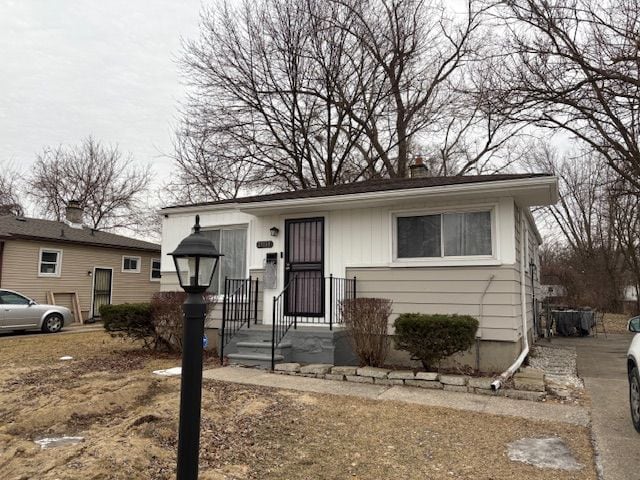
(418, 169)
(73, 213)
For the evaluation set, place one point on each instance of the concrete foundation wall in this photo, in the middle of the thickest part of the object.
(495, 357)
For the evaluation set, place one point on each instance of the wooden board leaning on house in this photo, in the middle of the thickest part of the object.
(75, 303)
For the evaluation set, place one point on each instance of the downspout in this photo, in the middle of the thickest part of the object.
(481, 315)
(1, 257)
(507, 374)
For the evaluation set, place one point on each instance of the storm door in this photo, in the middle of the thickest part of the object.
(304, 267)
(101, 289)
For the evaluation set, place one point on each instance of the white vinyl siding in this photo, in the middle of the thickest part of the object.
(50, 262)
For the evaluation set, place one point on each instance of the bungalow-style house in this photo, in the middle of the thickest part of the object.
(464, 244)
(75, 266)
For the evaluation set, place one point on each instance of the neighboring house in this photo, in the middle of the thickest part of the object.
(42, 257)
(431, 244)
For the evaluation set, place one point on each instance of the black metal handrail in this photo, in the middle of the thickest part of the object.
(289, 305)
(239, 308)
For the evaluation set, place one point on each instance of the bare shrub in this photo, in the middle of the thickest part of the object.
(366, 320)
(167, 315)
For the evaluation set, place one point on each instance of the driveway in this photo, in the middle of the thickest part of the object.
(602, 363)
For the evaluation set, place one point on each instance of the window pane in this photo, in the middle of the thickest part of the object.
(50, 257)
(467, 233)
(419, 236)
(234, 244)
(47, 268)
(214, 236)
(12, 299)
(130, 263)
(155, 269)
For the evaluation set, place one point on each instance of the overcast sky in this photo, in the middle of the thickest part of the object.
(72, 68)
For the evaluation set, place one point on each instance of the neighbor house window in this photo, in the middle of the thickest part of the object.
(131, 264)
(458, 234)
(155, 269)
(232, 242)
(50, 263)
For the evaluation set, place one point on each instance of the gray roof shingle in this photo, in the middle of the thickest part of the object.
(38, 229)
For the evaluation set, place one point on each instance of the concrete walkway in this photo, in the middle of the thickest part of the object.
(602, 364)
(460, 401)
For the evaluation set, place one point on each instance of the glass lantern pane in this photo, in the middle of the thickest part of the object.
(206, 270)
(186, 270)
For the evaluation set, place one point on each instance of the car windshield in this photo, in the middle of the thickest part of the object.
(10, 298)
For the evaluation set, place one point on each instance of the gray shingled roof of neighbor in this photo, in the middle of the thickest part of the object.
(13, 227)
(370, 186)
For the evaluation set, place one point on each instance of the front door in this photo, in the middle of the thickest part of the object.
(101, 289)
(304, 267)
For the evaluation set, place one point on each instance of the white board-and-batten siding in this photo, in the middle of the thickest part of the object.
(360, 242)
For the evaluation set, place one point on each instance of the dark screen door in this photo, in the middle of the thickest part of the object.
(101, 289)
(304, 267)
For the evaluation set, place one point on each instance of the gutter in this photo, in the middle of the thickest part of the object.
(507, 374)
(248, 206)
(1, 258)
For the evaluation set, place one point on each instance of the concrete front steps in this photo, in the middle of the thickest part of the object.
(258, 353)
(307, 344)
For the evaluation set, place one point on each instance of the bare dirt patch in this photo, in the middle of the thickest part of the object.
(128, 418)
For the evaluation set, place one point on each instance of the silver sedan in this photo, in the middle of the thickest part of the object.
(18, 312)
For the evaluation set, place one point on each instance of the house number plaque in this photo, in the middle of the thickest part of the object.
(265, 244)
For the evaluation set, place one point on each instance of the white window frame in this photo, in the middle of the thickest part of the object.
(58, 263)
(461, 260)
(232, 226)
(151, 269)
(139, 261)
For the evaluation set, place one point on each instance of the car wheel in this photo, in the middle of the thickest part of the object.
(634, 397)
(53, 323)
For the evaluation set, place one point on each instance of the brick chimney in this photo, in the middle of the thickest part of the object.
(74, 213)
(418, 169)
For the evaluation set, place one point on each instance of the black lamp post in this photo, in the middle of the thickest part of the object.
(196, 259)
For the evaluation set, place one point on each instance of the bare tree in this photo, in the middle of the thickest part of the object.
(310, 93)
(585, 216)
(110, 190)
(575, 65)
(9, 201)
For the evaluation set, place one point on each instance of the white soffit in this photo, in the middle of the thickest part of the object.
(526, 192)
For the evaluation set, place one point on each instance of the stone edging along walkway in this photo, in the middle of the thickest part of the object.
(383, 376)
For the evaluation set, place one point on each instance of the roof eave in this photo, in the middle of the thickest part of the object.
(516, 187)
(12, 236)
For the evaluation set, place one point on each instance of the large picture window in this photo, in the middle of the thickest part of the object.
(232, 243)
(458, 234)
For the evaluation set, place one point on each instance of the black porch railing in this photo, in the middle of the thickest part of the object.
(303, 301)
(239, 308)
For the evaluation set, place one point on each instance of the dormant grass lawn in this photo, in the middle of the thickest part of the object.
(129, 420)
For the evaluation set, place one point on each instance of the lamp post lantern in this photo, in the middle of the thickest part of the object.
(195, 259)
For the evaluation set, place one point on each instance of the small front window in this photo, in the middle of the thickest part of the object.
(131, 264)
(50, 261)
(155, 269)
(459, 234)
